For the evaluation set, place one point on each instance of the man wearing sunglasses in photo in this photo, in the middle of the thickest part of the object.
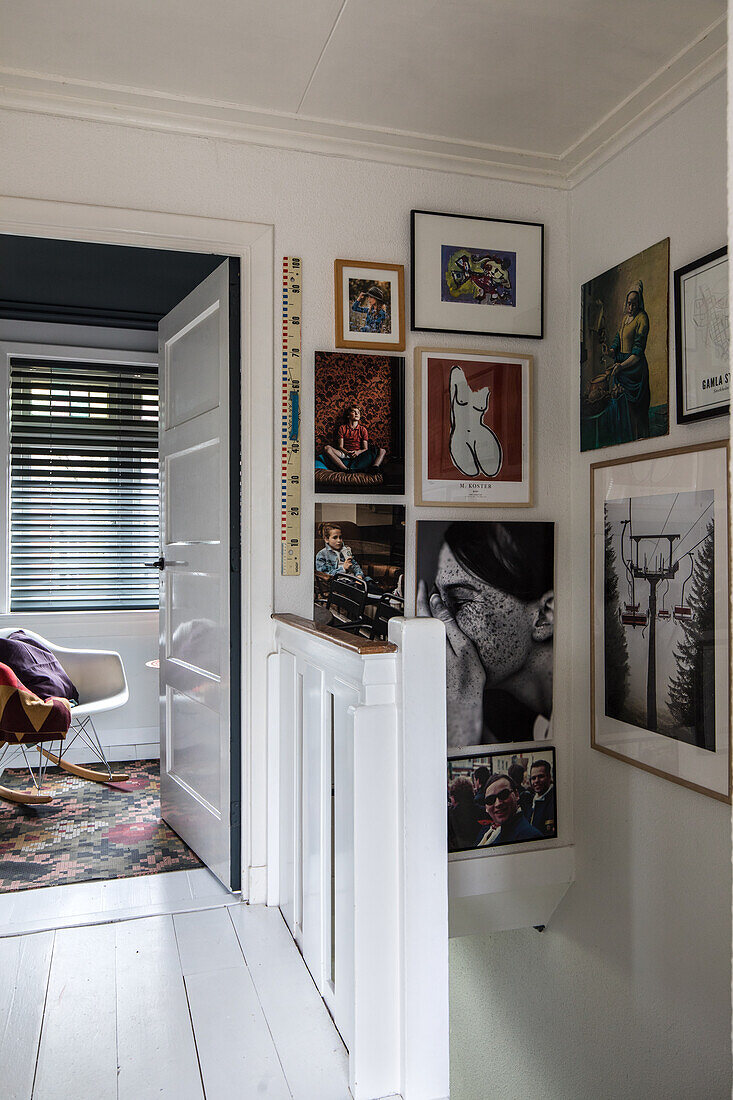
(508, 823)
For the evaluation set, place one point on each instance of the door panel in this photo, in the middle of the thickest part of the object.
(195, 392)
(200, 627)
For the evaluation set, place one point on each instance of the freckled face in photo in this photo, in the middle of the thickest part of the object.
(499, 625)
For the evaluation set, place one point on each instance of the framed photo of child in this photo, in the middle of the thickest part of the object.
(359, 423)
(473, 428)
(370, 305)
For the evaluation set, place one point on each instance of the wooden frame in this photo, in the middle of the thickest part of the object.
(510, 426)
(364, 273)
(710, 373)
(501, 263)
(692, 499)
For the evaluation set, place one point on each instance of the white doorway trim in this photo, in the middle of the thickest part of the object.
(253, 244)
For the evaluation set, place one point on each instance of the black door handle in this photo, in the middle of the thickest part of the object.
(159, 564)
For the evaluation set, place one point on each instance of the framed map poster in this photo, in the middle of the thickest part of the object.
(702, 338)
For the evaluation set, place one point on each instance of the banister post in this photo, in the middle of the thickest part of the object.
(424, 857)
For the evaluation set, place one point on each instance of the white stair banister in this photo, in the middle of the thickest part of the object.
(357, 854)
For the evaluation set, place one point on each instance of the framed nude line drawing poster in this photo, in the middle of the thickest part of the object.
(473, 428)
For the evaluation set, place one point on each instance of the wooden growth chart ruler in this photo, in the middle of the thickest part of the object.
(290, 424)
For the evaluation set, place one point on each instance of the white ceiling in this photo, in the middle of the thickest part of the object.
(531, 88)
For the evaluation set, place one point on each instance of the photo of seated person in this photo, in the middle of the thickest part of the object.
(359, 558)
(352, 450)
(335, 557)
(359, 423)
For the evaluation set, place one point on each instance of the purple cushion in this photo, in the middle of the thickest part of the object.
(36, 667)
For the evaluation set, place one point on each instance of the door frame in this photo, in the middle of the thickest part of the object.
(253, 244)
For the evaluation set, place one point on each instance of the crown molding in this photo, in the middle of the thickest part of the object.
(664, 91)
(691, 70)
(41, 93)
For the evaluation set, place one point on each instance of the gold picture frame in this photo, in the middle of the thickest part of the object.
(659, 622)
(369, 322)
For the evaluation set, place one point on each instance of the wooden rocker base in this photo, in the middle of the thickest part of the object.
(27, 798)
(84, 773)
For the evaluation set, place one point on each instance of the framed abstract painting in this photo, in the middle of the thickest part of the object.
(473, 428)
(660, 666)
(483, 276)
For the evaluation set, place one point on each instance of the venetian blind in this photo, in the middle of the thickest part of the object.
(83, 485)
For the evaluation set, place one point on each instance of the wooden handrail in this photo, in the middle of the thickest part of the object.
(353, 642)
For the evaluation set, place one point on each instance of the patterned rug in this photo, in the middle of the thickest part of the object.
(92, 831)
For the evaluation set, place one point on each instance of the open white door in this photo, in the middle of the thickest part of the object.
(200, 571)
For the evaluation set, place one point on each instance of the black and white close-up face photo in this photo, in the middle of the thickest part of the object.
(492, 585)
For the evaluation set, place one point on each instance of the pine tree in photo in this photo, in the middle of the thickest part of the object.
(692, 689)
(616, 652)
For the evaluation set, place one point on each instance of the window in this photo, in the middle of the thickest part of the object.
(83, 485)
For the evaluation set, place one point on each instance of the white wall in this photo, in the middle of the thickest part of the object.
(626, 994)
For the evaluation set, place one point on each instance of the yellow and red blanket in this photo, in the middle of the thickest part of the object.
(26, 719)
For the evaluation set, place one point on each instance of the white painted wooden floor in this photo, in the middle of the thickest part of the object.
(212, 1003)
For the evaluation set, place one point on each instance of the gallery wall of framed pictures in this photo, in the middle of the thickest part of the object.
(473, 436)
(491, 578)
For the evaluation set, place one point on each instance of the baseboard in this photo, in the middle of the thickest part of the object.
(79, 753)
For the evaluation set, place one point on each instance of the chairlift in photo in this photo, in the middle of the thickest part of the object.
(682, 611)
(632, 616)
(664, 614)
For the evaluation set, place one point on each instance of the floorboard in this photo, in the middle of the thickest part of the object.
(207, 941)
(232, 1037)
(25, 963)
(311, 1052)
(155, 1043)
(78, 1050)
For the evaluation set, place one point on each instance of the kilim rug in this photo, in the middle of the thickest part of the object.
(91, 830)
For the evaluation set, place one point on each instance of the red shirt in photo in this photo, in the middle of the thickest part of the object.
(353, 437)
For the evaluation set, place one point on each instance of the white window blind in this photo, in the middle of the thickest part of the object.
(83, 485)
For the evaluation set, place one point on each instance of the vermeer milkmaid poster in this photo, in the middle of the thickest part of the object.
(624, 364)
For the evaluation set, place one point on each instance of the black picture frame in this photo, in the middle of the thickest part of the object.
(539, 820)
(530, 240)
(681, 365)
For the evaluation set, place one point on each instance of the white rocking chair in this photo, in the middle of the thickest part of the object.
(99, 677)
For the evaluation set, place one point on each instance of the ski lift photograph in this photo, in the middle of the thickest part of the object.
(660, 624)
